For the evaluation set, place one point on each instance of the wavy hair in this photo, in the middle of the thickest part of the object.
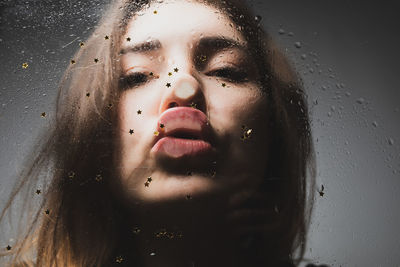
(78, 222)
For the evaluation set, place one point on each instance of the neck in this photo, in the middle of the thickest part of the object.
(189, 233)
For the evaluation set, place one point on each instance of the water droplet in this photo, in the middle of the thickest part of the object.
(258, 18)
(290, 34)
(303, 56)
(375, 124)
(281, 31)
(348, 94)
(391, 141)
(360, 100)
(297, 44)
(152, 254)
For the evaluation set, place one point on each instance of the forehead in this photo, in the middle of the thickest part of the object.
(181, 19)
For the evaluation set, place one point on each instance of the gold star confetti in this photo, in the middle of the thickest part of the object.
(321, 193)
(176, 69)
(96, 60)
(213, 173)
(139, 112)
(25, 65)
(106, 37)
(130, 131)
(98, 178)
(47, 212)
(119, 259)
(8, 247)
(156, 133)
(146, 184)
(223, 84)
(136, 230)
(193, 105)
(128, 39)
(149, 179)
(88, 94)
(248, 133)
(155, 11)
(169, 73)
(71, 174)
(81, 44)
(73, 61)
(43, 114)
(168, 85)
(162, 125)
(38, 191)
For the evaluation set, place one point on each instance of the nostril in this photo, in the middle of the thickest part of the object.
(173, 104)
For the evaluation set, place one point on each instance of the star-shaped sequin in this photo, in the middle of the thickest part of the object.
(73, 61)
(139, 112)
(87, 94)
(8, 247)
(223, 84)
(149, 179)
(128, 39)
(98, 178)
(156, 133)
(110, 105)
(168, 85)
(119, 259)
(162, 125)
(130, 131)
(106, 37)
(151, 73)
(176, 69)
(38, 191)
(81, 44)
(193, 105)
(203, 58)
(136, 230)
(321, 193)
(169, 73)
(96, 60)
(155, 12)
(43, 114)
(71, 174)
(47, 212)
(146, 184)
(25, 65)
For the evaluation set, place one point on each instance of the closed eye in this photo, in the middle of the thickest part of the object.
(133, 80)
(230, 74)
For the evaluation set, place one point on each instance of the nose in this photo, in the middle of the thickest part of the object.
(184, 91)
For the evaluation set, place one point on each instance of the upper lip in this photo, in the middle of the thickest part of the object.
(183, 121)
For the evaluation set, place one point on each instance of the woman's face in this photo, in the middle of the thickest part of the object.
(188, 88)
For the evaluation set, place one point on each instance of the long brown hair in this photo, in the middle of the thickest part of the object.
(79, 222)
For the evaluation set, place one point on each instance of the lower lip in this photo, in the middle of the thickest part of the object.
(178, 147)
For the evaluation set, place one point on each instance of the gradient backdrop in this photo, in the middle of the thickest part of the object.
(347, 54)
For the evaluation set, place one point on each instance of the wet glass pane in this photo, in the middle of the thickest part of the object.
(198, 133)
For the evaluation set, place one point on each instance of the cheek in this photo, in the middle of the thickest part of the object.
(229, 112)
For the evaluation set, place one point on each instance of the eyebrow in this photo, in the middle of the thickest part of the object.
(216, 43)
(147, 46)
(220, 43)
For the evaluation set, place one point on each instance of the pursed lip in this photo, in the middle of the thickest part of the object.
(184, 121)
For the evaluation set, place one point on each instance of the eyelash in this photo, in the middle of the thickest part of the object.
(133, 79)
(231, 74)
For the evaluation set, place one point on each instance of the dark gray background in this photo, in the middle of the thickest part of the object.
(349, 63)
